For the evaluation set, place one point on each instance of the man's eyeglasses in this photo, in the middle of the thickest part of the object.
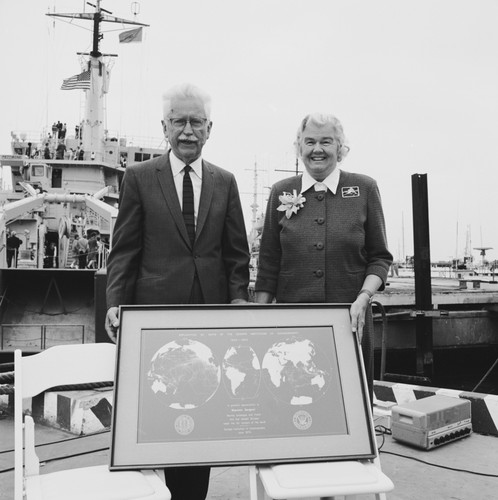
(195, 123)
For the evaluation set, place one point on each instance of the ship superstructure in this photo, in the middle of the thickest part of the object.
(65, 182)
(63, 186)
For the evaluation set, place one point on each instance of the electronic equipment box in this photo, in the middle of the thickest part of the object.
(431, 422)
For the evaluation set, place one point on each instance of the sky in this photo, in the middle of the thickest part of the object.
(414, 83)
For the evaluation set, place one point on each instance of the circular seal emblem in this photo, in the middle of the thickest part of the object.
(302, 420)
(184, 425)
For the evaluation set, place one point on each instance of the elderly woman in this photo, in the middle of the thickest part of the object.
(324, 237)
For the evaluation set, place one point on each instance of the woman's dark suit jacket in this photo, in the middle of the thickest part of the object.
(152, 261)
(323, 252)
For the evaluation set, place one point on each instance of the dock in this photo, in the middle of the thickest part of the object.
(464, 323)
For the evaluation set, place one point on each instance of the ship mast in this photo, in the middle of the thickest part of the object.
(92, 126)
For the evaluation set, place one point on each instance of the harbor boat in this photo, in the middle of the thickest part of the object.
(62, 186)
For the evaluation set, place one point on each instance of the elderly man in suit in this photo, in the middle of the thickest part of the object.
(179, 237)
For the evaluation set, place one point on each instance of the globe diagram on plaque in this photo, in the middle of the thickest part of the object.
(295, 373)
(241, 372)
(184, 374)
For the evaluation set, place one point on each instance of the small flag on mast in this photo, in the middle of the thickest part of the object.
(129, 36)
(81, 81)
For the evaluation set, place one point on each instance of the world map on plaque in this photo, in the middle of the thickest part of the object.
(294, 372)
(241, 372)
(184, 374)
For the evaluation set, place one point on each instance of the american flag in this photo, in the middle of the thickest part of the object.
(81, 81)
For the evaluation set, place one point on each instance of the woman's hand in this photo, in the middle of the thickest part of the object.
(359, 307)
(358, 312)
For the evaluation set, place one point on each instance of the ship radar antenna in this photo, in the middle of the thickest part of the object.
(482, 253)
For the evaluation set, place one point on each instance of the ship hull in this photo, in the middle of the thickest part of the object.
(41, 308)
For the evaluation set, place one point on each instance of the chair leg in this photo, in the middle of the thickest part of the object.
(160, 475)
(256, 488)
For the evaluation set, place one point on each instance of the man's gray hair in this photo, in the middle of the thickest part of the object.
(186, 90)
(322, 119)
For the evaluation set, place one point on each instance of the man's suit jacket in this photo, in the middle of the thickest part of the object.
(152, 261)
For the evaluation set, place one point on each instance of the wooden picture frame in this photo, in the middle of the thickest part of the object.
(238, 384)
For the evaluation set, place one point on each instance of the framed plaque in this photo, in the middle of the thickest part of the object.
(238, 384)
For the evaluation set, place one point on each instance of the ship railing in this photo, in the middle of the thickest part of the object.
(20, 140)
(102, 256)
(138, 141)
(100, 261)
(28, 136)
(36, 337)
(94, 219)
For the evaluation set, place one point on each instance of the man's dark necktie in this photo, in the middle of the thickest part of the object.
(188, 203)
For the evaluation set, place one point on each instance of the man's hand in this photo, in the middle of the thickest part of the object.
(112, 323)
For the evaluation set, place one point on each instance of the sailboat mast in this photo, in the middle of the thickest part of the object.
(255, 205)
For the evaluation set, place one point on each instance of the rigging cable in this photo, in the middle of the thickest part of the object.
(486, 375)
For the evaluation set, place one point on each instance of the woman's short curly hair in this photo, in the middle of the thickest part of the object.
(322, 119)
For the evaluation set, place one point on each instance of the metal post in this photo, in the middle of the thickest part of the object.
(422, 267)
(43, 343)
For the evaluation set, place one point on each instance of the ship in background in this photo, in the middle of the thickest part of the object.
(63, 183)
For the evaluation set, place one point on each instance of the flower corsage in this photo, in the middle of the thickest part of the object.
(290, 203)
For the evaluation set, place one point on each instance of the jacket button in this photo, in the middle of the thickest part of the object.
(320, 197)
(318, 273)
(319, 245)
(320, 220)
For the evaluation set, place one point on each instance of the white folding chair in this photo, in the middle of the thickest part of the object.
(326, 480)
(65, 365)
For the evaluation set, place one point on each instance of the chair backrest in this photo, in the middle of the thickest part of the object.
(59, 365)
(63, 365)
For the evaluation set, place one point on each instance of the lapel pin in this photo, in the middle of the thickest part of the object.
(351, 192)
